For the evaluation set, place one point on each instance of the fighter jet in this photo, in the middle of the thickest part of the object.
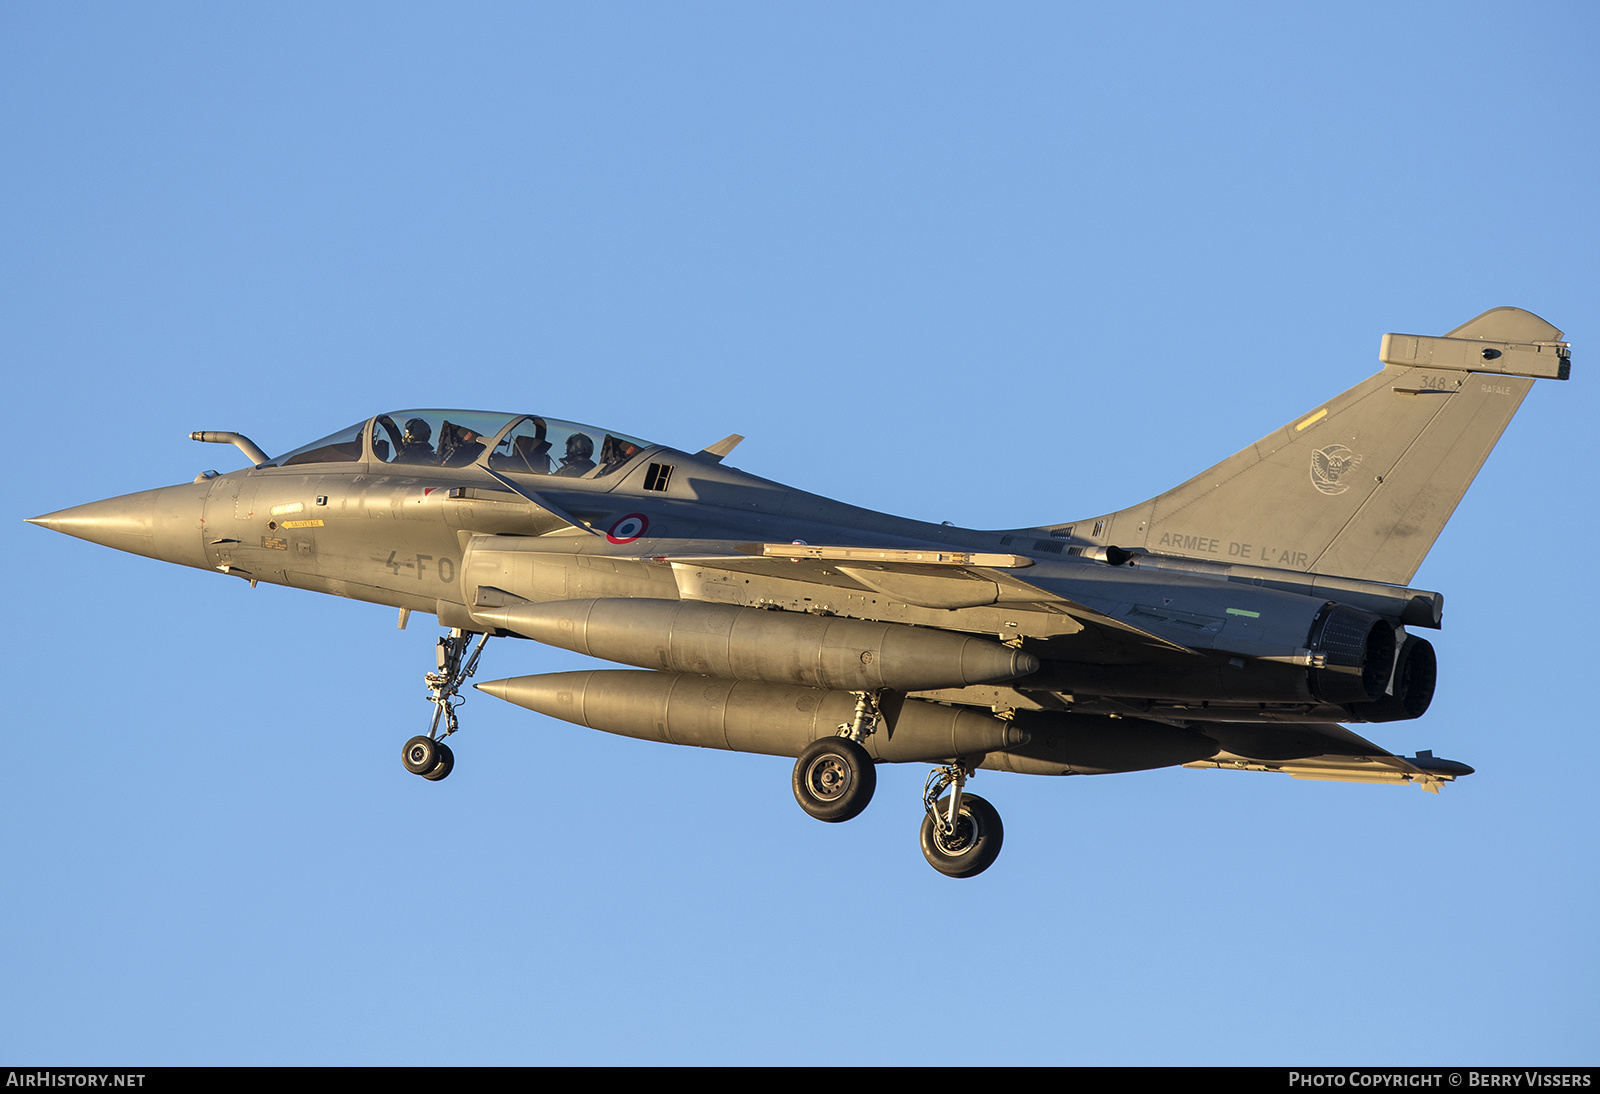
(1233, 622)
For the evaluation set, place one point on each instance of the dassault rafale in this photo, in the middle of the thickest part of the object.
(1235, 621)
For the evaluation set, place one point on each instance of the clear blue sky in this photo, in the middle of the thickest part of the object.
(993, 264)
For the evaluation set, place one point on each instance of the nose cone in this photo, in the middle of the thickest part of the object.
(166, 524)
(115, 522)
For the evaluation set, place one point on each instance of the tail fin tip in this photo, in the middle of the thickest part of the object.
(1507, 324)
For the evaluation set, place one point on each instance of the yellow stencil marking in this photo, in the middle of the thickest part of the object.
(1313, 420)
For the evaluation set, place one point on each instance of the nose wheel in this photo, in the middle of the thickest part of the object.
(429, 756)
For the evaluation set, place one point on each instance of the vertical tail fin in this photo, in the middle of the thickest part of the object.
(1362, 485)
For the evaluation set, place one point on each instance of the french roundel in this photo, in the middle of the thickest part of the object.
(628, 528)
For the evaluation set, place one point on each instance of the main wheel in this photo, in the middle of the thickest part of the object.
(444, 765)
(972, 847)
(834, 779)
(421, 755)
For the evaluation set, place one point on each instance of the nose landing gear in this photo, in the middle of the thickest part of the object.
(429, 756)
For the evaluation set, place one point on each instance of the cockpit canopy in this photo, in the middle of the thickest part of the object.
(516, 443)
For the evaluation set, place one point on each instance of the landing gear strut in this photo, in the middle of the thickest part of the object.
(834, 778)
(961, 833)
(429, 756)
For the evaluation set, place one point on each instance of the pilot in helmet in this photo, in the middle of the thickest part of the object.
(577, 461)
(415, 445)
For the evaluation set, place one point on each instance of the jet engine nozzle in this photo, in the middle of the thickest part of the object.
(1352, 655)
(1411, 691)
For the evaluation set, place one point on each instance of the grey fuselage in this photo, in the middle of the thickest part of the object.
(1233, 621)
(1179, 639)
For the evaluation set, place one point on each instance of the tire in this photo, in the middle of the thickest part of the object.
(834, 779)
(420, 755)
(972, 847)
(446, 763)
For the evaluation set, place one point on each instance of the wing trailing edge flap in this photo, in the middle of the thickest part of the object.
(924, 578)
(1358, 761)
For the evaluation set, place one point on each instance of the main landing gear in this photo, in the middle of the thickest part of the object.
(961, 833)
(834, 779)
(429, 756)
